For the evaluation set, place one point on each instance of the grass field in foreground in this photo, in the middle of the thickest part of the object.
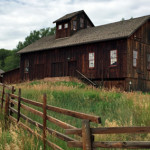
(116, 108)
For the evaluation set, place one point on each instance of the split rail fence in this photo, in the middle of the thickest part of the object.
(86, 132)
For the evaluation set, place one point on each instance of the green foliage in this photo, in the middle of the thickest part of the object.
(9, 59)
(115, 108)
(34, 36)
(70, 84)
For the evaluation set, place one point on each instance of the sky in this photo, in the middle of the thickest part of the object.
(19, 17)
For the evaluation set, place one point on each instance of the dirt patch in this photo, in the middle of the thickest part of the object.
(67, 79)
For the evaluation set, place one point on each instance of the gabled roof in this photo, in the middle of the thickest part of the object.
(117, 30)
(68, 16)
(71, 15)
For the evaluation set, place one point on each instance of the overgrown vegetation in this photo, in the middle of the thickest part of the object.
(14, 138)
(115, 108)
(9, 59)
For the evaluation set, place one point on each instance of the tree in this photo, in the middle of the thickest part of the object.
(9, 59)
(34, 36)
(3, 54)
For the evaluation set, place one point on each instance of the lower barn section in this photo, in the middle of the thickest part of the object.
(125, 84)
(12, 76)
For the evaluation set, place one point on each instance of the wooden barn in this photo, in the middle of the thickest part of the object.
(115, 54)
(1, 76)
(11, 76)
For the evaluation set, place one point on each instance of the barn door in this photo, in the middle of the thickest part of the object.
(72, 65)
(57, 69)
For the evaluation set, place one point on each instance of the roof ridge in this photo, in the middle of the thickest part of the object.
(115, 30)
(69, 14)
(122, 21)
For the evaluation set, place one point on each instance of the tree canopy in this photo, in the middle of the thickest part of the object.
(9, 59)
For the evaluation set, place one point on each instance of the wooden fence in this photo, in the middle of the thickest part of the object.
(86, 132)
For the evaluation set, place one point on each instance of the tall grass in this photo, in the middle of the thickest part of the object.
(14, 138)
(116, 108)
(111, 105)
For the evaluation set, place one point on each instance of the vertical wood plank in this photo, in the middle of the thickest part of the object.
(13, 90)
(2, 97)
(86, 135)
(44, 120)
(11, 104)
(7, 105)
(19, 102)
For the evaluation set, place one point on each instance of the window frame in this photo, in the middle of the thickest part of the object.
(134, 59)
(66, 27)
(147, 62)
(74, 26)
(91, 60)
(81, 22)
(60, 25)
(110, 58)
(26, 66)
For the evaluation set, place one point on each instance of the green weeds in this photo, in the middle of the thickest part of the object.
(115, 108)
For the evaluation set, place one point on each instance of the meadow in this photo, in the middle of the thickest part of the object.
(116, 108)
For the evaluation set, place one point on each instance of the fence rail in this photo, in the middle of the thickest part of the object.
(16, 105)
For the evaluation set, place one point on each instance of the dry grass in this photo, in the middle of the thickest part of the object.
(115, 107)
(14, 138)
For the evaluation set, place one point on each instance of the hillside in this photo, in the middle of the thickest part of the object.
(116, 108)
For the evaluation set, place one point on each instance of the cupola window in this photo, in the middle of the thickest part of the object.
(74, 25)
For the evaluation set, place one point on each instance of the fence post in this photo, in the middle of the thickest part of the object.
(3, 92)
(44, 120)
(7, 105)
(13, 90)
(86, 135)
(19, 103)
(6, 110)
(11, 104)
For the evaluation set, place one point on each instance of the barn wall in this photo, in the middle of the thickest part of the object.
(63, 32)
(12, 76)
(140, 41)
(63, 61)
(1, 79)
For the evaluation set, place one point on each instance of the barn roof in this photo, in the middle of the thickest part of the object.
(71, 15)
(68, 16)
(117, 30)
(1, 71)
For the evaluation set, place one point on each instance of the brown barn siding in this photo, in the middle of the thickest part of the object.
(1, 79)
(12, 76)
(69, 31)
(139, 75)
(63, 32)
(42, 63)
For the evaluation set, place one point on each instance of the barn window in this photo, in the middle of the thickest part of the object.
(148, 61)
(26, 66)
(91, 60)
(74, 25)
(81, 22)
(59, 27)
(135, 56)
(113, 57)
(66, 25)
